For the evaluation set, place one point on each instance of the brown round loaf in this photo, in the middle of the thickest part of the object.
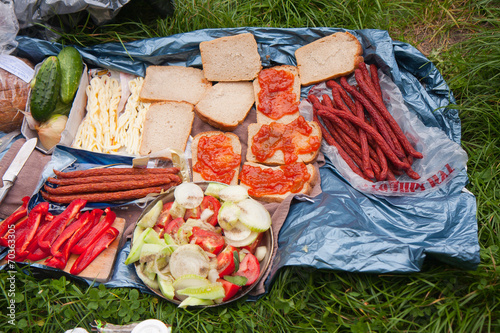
(13, 98)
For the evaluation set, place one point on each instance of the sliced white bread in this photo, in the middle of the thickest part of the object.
(235, 143)
(306, 189)
(167, 125)
(279, 157)
(174, 84)
(261, 117)
(226, 104)
(231, 58)
(329, 57)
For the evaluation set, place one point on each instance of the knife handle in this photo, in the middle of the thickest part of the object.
(6, 187)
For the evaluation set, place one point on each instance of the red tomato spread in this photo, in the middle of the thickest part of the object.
(276, 96)
(286, 178)
(292, 139)
(216, 158)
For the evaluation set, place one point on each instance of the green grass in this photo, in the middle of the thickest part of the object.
(462, 38)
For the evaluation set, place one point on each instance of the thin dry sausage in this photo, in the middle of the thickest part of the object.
(106, 196)
(109, 187)
(114, 171)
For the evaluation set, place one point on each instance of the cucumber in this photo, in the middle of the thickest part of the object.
(136, 246)
(234, 193)
(166, 287)
(45, 91)
(194, 301)
(71, 64)
(146, 277)
(149, 219)
(62, 108)
(214, 189)
(210, 291)
(149, 252)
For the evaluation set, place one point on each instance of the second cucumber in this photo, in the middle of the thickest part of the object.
(71, 65)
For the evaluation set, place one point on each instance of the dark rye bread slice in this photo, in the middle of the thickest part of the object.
(226, 104)
(262, 118)
(231, 58)
(167, 125)
(329, 57)
(278, 157)
(235, 141)
(306, 189)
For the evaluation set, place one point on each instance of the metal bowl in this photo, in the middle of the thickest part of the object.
(267, 240)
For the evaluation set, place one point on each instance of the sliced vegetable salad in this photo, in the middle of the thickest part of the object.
(203, 247)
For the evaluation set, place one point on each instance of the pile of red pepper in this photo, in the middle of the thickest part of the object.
(38, 235)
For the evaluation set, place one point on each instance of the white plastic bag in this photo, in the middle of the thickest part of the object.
(443, 158)
(9, 27)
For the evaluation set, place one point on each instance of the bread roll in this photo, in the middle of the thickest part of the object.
(13, 97)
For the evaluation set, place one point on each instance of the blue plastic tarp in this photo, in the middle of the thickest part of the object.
(342, 228)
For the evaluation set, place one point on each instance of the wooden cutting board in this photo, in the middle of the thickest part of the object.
(101, 268)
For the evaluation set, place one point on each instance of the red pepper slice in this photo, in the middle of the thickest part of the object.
(95, 233)
(25, 235)
(56, 262)
(15, 217)
(48, 237)
(92, 251)
(64, 253)
(34, 251)
(68, 232)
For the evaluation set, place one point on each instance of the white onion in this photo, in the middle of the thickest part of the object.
(188, 195)
(189, 259)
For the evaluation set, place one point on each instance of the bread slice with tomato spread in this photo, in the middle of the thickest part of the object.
(329, 57)
(310, 142)
(262, 173)
(283, 99)
(223, 153)
(226, 104)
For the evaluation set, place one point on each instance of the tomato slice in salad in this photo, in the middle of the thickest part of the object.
(210, 202)
(225, 261)
(165, 216)
(230, 289)
(174, 225)
(209, 241)
(193, 213)
(249, 268)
